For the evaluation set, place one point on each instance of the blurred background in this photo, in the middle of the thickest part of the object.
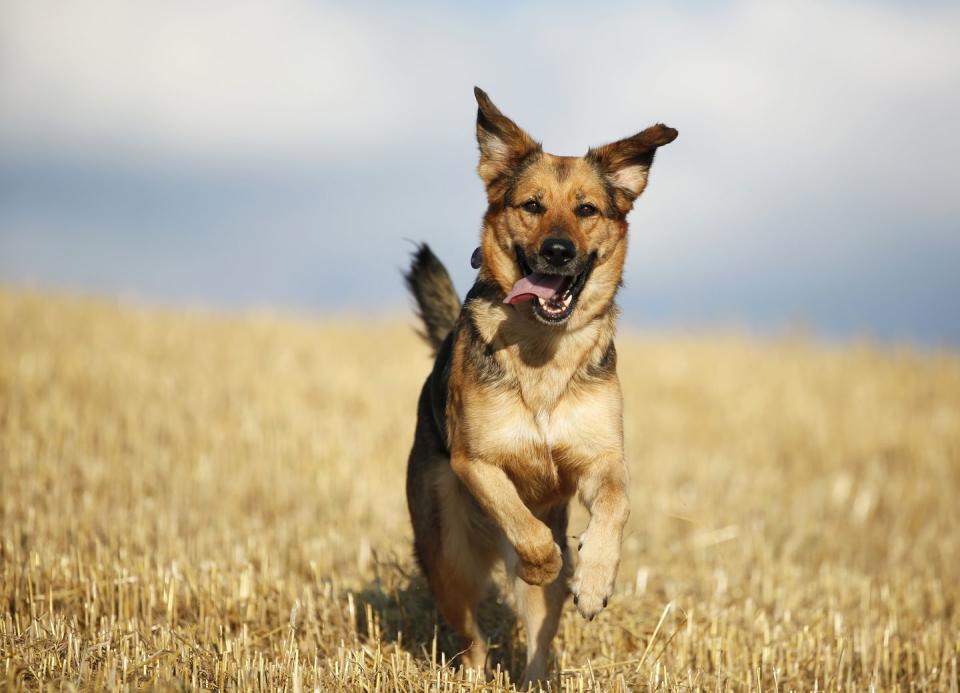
(282, 154)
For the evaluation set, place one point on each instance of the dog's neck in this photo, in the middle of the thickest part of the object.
(542, 359)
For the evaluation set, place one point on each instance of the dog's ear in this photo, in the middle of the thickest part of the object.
(626, 163)
(503, 144)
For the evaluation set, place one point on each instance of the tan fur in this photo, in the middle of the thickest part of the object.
(532, 412)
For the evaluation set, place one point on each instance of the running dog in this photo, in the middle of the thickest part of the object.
(523, 407)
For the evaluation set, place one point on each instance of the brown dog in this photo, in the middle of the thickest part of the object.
(523, 407)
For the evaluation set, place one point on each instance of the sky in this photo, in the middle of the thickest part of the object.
(285, 155)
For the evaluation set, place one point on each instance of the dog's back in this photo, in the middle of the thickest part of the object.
(454, 541)
(438, 308)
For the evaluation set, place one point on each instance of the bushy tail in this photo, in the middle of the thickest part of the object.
(437, 302)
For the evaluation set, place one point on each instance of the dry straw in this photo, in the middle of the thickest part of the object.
(204, 502)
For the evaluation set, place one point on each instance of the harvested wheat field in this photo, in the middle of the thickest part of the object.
(195, 501)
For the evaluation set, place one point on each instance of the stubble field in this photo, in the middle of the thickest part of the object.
(199, 501)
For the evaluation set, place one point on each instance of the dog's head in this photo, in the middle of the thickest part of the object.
(555, 231)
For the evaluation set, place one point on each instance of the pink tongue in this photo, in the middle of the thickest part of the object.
(542, 285)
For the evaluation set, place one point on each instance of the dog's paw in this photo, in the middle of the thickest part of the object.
(541, 564)
(593, 581)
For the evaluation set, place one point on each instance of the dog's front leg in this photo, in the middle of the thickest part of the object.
(603, 490)
(540, 558)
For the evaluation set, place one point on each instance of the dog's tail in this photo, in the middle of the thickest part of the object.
(437, 302)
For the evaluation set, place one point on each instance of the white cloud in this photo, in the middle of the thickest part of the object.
(808, 131)
(211, 78)
(227, 77)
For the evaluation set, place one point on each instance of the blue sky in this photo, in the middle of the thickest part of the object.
(235, 154)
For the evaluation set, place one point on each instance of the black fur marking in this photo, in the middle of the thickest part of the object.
(437, 302)
(422, 501)
(438, 384)
(479, 353)
(437, 387)
(609, 189)
(483, 289)
(484, 123)
(487, 128)
(643, 158)
(612, 210)
(514, 175)
(480, 356)
(606, 366)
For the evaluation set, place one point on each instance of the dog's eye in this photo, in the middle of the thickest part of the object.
(586, 210)
(533, 207)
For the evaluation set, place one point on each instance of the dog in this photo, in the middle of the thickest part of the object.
(523, 408)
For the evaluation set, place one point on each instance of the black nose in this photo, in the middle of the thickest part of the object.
(557, 251)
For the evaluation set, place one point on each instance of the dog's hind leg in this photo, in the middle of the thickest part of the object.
(458, 598)
(540, 606)
(455, 544)
(459, 562)
(467, 556)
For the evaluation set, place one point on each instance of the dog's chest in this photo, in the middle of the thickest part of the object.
(541, 450)
(540, 415)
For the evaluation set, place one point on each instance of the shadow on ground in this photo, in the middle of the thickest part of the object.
(398, 603)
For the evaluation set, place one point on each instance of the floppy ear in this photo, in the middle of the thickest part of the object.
(502, 143)
(626, 163)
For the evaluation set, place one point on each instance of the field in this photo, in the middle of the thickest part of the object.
(201, 501)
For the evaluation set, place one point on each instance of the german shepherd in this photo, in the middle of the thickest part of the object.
(523, 406)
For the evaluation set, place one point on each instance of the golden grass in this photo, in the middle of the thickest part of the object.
(213, 502)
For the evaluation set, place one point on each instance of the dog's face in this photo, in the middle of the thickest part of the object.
(555, 231)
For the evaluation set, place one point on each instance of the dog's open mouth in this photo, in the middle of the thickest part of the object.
(554, 296)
